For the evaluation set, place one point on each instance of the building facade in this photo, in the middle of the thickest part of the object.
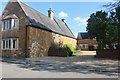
(85, 43)
(28, 33)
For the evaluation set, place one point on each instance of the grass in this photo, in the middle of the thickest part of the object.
(77, 52)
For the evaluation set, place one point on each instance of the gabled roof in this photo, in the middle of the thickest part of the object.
(39, 20)
(83, 35)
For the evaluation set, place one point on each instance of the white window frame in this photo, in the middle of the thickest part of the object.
(15, 45)
(10, 47)
(2, 44)
(4, 28)
(95, 46)
(11, 24)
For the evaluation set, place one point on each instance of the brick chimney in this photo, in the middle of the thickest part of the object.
(50, 14)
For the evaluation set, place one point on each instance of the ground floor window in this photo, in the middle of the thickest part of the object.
(84, 46)
(10, 44)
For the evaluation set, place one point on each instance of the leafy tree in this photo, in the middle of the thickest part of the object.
(97, 24)
(118, 24)
(105, 28)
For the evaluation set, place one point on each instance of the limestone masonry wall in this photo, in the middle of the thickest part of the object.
(38, 42)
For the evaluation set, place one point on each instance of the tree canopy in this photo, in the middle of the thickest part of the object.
(105, 27)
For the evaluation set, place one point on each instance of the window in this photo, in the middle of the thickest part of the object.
(5, 25)
(85, 46)
(15, 23)
(10, 44)
(6, 44)
(3, 41)
(14, 44)
(10, 24)
(95, 46)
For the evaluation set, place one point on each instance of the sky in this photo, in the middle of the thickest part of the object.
(75, 13)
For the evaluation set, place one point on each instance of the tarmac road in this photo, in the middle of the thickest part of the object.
(59, 67)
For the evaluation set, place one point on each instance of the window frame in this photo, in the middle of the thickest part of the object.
(10, 24)
(10, 44)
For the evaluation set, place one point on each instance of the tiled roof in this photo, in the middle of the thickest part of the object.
(83, 35)
(44, 22)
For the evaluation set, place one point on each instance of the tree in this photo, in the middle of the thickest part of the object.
(118, 24)
(106, 29)
(97, 24)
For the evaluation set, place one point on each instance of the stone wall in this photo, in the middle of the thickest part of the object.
(38, 42)
(108, 54)
(65, 40)
(14, 8)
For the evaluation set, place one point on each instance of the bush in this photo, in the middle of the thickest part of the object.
(69, 49)
(55, 46)
(59, 47)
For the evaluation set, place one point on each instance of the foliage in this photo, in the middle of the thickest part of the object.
(78, 48)
(69, 48)
(97, 24)
(55, 46)
(105, 28)
(77, 52)
(59, 46)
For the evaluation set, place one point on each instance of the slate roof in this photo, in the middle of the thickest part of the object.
(39, 20)
(83, 35)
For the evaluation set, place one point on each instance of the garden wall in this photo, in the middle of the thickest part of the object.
(58, 53)
(109, 54)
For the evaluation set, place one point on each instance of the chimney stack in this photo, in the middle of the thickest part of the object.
(50, 14)
(63, 20)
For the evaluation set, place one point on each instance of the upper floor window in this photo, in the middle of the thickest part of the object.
(10, 22)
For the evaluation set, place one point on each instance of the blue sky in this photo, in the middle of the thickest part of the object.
(75, 13)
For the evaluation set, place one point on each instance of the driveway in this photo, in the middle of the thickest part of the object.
(83, 66)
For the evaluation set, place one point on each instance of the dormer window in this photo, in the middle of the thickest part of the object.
(10, 22)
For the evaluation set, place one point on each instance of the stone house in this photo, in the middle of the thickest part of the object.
(85, 43)
(29, 33)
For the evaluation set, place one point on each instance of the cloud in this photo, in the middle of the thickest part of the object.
(81, 21)
(63, 14)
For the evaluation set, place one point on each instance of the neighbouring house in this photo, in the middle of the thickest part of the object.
(85, 43)
(29, 33)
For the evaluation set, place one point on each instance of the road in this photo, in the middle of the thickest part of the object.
(59, 67)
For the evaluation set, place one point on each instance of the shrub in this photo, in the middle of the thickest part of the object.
(78, 48)
(69, 49)
(55, 46)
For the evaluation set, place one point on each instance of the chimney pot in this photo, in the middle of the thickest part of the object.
(50, 13)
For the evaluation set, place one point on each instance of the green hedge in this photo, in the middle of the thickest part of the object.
(69, 48)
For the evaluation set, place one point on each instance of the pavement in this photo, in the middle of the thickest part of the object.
(83, 66)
